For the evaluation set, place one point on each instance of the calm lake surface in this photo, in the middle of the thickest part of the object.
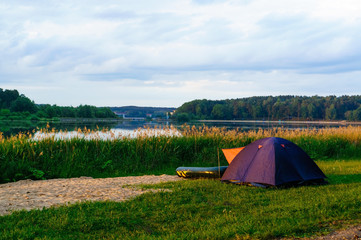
(9, 128)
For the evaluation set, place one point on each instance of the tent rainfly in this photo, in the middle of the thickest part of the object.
(271, 161)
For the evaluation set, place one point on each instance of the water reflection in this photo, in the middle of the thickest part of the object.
(262, 124)
(126, 128)
(11, 128)
(111, 134)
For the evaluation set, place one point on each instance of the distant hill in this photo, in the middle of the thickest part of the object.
(134, 111)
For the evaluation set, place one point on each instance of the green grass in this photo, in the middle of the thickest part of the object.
(204, 209)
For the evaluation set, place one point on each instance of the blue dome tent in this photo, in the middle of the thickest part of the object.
(273, 162)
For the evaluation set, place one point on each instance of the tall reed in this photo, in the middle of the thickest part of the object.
(90, 154)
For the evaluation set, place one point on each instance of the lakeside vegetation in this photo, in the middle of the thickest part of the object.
(274, 108)
(23, 157)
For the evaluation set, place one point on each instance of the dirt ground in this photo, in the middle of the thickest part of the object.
(352, 232)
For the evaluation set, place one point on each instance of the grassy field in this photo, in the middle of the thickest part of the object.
(195, 209)
(204, 209)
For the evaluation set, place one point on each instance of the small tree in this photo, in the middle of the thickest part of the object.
(331, 113)
(23, 104)
(182, 117)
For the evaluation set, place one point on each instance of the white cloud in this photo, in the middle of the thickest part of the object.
(174, 51)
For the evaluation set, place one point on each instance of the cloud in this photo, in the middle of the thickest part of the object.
(181, 49)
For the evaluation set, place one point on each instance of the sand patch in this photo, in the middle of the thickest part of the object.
(29, 194)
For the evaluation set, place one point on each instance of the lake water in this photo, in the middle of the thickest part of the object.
(111, 134)
(14, 127)
(131, 128)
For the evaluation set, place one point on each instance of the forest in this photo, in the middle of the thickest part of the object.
(15, 106)
(274, 108)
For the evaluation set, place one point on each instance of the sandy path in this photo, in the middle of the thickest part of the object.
(28, 194)
(353, 233)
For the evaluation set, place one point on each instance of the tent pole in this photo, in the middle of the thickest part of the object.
(219, 164)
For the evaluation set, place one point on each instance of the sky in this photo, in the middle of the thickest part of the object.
(164, 53)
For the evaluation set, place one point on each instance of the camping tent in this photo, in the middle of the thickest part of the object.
(273, 161)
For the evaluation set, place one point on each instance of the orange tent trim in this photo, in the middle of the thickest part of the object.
(231, 153)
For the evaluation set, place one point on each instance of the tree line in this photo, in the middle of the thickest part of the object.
(274, 108)
(17, 106)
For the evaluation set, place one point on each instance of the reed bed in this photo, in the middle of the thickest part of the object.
(62, 154)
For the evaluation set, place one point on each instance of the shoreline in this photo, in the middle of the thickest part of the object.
(341, 123)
